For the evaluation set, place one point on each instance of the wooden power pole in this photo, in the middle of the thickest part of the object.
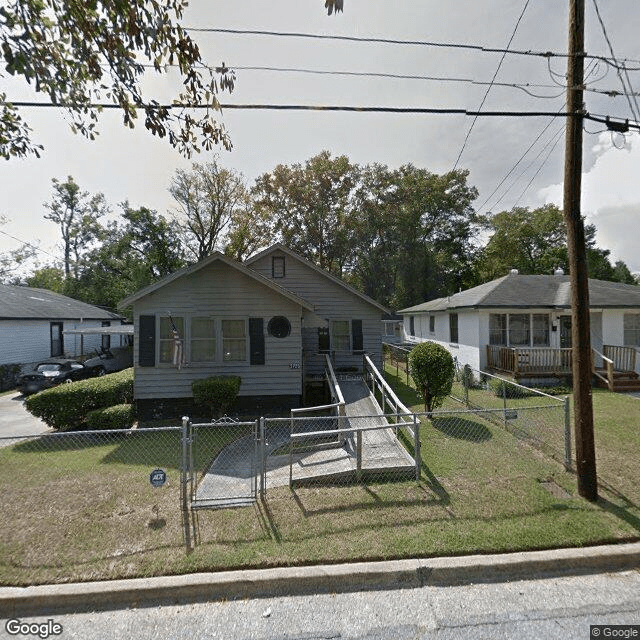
(580, 331)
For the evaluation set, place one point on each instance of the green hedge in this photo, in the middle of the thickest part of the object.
(216, 392)
(67, 406)
(120, 416)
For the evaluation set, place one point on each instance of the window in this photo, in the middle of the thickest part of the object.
(412, 326)
(234, 340)
(432, 324)
(498, 329)
(203, 339)
(279, 327)
(519, 330)
(171, 332)
(540, 330)
(631, 324)
(277, 267)
(453, 327)
(341, 335)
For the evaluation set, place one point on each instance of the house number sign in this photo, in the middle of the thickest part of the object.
(294, 365)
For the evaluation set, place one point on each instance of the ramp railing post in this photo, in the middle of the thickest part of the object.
(416, 452)
(184, 479)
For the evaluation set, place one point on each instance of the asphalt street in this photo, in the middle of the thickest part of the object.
(546, 608)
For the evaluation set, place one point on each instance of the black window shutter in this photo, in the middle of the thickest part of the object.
(324, 343)
(256, 341)
(147, 339)
(356, 336)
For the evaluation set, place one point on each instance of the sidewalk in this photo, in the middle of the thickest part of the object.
(230, 585)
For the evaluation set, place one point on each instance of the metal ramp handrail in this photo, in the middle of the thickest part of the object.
(388, 396)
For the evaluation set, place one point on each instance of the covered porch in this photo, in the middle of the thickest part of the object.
(614, 368)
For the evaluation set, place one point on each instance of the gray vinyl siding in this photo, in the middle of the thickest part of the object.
(221, 291)
(29, 341)
(331, 301)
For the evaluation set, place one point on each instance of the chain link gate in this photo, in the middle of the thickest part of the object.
(223, 463)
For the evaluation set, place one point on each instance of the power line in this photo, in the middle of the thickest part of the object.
(420, 43)
(635, 114)
(513, 34)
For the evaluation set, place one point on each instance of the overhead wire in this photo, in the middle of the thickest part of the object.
(486, 95)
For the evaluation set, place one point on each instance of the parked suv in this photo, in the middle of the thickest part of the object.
(110, 360)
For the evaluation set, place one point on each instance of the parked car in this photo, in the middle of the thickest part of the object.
(110, 360)
(51, 373)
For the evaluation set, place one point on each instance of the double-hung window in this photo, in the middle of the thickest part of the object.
(631, 326)
(341, 335)
(203, 339)
(171, 331)
(498, 329)
(234, 340)
(453, 327)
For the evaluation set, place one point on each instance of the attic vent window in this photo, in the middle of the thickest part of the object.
(277, 267)
(279, 327)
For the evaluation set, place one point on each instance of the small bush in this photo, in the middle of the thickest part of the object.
(432, 369)
(9, 376)
(120, 416)
(216, 392)
(67, 406)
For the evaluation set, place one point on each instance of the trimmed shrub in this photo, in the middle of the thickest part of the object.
(67, 406)
(120, 416)
(9, 376)
(432, 369)
(216, 392)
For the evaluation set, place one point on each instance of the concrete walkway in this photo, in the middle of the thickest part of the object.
(229, 482)
(16, 421)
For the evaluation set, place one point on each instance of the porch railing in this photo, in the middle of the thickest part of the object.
(532, 361)
(624, 358)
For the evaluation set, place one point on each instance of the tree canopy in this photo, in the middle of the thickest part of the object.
(80, 53)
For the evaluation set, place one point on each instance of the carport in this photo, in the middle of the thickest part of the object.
(125, 331)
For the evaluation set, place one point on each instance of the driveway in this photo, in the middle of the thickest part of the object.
(15, 420)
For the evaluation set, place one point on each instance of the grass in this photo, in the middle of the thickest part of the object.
(79, 509)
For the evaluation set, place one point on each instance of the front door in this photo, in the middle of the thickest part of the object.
(57, 344)
(565, 332)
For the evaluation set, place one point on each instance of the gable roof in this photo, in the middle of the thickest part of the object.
(537, 291)
(27, 303)
(322, 272)
(214, 257)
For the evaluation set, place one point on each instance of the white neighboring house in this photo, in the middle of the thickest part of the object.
(521, 324)
(33, 323)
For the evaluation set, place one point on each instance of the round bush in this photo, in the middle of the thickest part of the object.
(432, 369)
(120, 416)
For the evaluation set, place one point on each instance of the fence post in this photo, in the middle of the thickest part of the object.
(465, 382)
(416, 453)
(359, 454)
(504, 400)
(184, 478)
(567, 434)
(262, 463)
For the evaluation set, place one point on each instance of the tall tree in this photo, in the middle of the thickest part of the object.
(12, 261)
(311, 208)
(79, 53)
(208, 197)
(77, 216)
(535, 242)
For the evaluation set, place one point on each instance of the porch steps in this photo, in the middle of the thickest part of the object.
(622, 381)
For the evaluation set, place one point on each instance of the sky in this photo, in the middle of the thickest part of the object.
(134, 166)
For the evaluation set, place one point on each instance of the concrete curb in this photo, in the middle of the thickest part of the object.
(256, 583)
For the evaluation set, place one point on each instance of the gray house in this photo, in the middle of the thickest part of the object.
(33, 323)
(521, 324)
(269, 320)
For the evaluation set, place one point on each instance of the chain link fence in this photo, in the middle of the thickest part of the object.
(86, 500)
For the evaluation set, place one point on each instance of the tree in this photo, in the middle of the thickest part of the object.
(209, 197)
(11, 261)
(311, 208)
(334, 5)
(133, 254)
(77, 216)
(79, 53)
(535, 242)
(432, 369)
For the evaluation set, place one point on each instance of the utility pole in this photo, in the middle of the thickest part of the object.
(580, 331)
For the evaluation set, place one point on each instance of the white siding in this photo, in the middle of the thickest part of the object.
(221, 291)
(332, 302)
(29, 341)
